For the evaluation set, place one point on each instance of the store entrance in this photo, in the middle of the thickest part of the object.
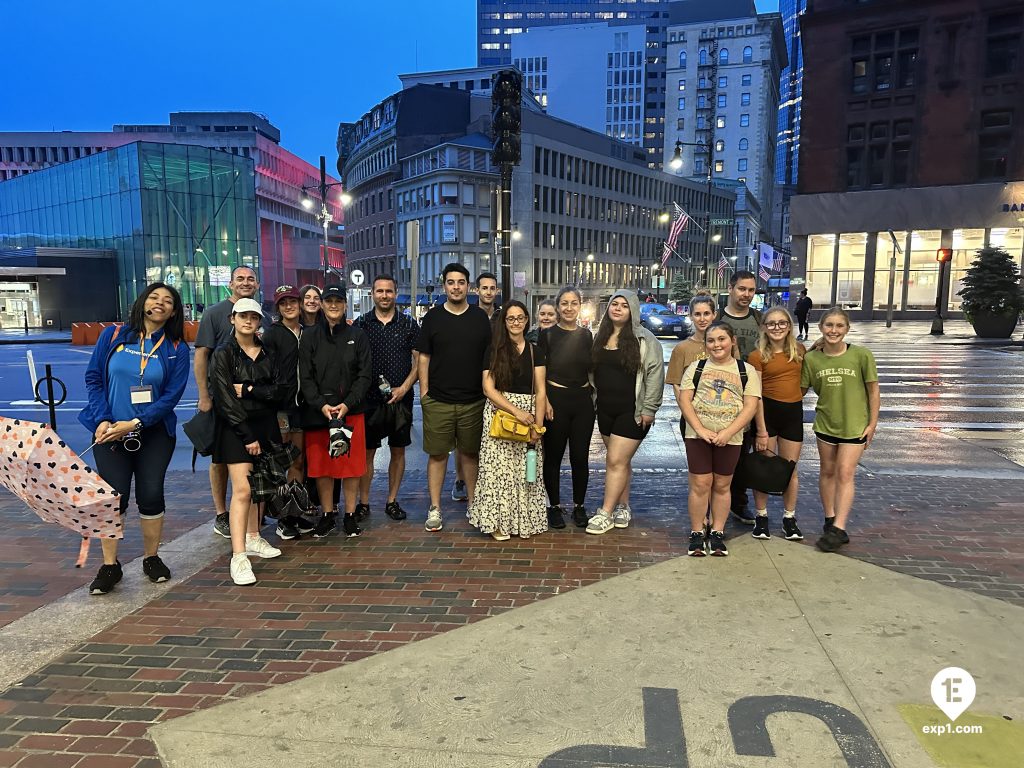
(19, 302)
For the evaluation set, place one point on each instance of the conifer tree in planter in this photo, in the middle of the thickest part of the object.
(993, 298)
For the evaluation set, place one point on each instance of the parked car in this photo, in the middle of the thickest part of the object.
(662, 321)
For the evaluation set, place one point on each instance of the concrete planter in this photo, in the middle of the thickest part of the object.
(989, 325)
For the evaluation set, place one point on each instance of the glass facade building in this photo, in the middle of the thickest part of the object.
(181, 214)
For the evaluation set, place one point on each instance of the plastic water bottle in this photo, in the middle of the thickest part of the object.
(531, 463)
(384, 387)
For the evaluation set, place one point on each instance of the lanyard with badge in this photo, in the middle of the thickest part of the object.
(143, 393)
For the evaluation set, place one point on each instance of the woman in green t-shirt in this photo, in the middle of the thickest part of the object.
(846, 380)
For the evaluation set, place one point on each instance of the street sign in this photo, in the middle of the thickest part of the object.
(722, 222)
(356, 277)
(519, 279)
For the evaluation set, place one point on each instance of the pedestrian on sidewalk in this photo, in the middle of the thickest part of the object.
(392, 336)
(453, 342)
(702, 314)
(567, 349)
(214, 330)
(136, 376)
(281, 341)
(778, 360)
(846, 417)
(248, 389)
(628, 378)
(335, 367)
(505, 503)
(802, 310)
(720, 397)
(746, 323)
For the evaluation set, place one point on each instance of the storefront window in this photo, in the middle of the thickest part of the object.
(883, 257)
(1011, 239)
(966, 244)
(923, 274)
(850, 281)
(820, 260)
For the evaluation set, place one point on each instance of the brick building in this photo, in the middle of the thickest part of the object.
(911, 124)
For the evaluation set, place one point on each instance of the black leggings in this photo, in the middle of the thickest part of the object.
(802, 324)
(148, 466)
(573, 425)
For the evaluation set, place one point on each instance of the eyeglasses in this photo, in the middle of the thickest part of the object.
(777, 324)
(515, 320)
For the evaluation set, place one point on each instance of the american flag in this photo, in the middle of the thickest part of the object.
(777, 261)
(679, 222)
(764, 274)
(723, 266)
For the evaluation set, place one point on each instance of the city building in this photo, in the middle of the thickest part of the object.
(290, 237)
(724, 62)
(500, 21)
(787, 156)
(910, 142)
(586, 208)
(591, 75)
(79, 240)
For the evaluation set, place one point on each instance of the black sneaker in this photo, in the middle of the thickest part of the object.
(302, 524)
(579, 516)
(743, 515)
(327, 524)
(106, 579)
(556, 519)
(394, 510)
(156, 570)
(761, 528)
(716, 544)
(221, 526)
(697, 544)
(829, 522)
(791, 530)
(286, 529)
(350, 525)
(832, 540)
(362, 511)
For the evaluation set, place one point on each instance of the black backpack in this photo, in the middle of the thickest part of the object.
(739, 364)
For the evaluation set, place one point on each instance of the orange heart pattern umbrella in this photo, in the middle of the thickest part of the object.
(41, 470)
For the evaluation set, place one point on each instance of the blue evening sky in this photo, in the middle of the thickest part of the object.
(305, 64)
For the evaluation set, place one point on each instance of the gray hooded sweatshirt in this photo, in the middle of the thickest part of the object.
(650, 378)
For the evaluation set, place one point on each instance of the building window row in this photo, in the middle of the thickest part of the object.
(46, 155)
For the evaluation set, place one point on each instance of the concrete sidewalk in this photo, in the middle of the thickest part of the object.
(683, 663)
(34, 336)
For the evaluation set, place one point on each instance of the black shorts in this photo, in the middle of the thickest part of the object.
(840, 440)
(400, 439)
(621, 423)
(785, 420)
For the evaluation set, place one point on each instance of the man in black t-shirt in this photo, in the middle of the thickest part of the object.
(452, 343)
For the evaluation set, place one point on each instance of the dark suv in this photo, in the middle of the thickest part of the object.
(662, 321)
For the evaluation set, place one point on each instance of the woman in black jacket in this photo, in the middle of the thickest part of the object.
(335, 370)
(248, 389)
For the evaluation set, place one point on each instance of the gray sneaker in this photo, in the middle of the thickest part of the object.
(221, 526)
(459, 492)
(434, 522)
(621, 516)
(600, 523)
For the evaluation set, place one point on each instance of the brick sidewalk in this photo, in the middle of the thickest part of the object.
(329, 602)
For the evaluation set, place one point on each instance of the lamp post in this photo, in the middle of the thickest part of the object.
(675, 164)
(577, 274)
(324, 216)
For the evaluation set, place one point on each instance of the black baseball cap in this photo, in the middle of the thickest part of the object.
(337, 290)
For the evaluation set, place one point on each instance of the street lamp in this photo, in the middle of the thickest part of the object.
(577, 271)
(324, 216)
(677, 157)
(675, 164)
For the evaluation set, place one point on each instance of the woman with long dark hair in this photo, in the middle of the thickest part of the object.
(311, 305)
(136, 376)
(570, 413)
(505, 503)
(629, 381)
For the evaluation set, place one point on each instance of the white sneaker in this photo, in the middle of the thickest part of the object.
(241, 570)
(434, 522)
(257, 545)
(601, 522)
(621, 516)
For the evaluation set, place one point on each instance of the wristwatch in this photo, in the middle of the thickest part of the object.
(138, 423)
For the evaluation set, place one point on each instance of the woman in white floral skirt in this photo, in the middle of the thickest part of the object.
(506, 504)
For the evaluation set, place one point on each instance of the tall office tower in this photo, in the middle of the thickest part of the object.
(500, 21)
(787, 156)
(724, 61)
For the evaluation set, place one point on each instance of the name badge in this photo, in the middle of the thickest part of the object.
(142, 395)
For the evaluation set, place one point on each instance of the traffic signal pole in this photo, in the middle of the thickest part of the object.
(505, 229)
(506, 127)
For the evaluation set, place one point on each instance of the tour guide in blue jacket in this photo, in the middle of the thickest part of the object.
(135, 378)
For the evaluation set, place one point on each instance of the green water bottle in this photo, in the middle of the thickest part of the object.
(531, 463)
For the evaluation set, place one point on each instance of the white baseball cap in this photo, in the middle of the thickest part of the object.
(247, 305)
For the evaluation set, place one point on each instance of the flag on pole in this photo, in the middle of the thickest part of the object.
(679, 221)
(778, 261)
(764, 274)
(723, 266)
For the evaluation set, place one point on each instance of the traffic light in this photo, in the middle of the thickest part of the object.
(944, 254)
(506, 117)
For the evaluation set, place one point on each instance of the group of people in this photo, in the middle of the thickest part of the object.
(336, 388)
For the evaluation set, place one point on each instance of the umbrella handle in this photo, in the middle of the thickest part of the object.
(91, 446)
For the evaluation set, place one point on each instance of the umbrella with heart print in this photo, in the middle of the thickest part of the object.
(40, 469)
